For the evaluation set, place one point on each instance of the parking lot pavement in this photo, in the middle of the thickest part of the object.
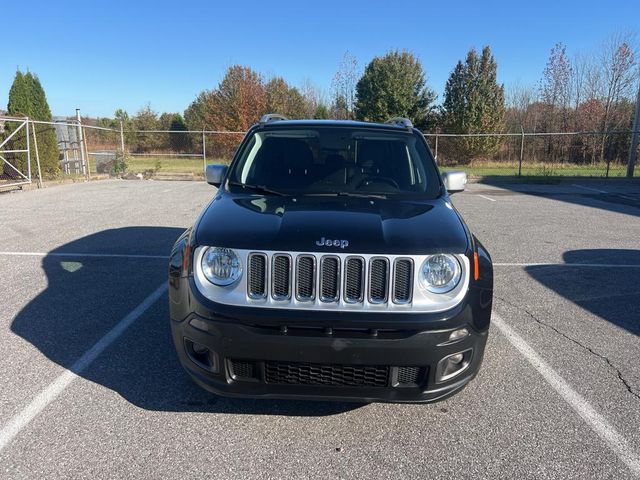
(133, 412)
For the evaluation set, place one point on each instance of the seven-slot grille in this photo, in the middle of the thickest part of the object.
(329, 277)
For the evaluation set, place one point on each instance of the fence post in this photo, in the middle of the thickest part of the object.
(28, 150)
(436, 147)
(35, 146)
(86, 149)
(204, 152)
(521, 151)
(122, 137)
(81, 142)
(633, 148)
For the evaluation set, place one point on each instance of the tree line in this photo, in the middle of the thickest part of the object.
(578, 93)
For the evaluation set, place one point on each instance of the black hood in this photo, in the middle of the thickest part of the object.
(289, 223)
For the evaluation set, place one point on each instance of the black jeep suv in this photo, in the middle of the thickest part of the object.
(331, 264)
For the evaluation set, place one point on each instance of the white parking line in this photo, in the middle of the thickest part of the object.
(486, 198)
(87, 255)
(589, 188)
(55, 388)
(604, 191)
(616, 442)
(551, 264)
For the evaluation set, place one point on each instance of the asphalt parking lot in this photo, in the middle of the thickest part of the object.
(90, 385)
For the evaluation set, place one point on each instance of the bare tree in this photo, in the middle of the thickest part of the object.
(555, 94)
(618, 76)
(519, 99)
(344, 86)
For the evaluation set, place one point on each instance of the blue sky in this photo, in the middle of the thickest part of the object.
(99, 56)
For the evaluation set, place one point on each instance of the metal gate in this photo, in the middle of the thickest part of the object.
(14, 170)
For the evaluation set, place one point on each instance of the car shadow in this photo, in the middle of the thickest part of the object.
(602, 195)
(610, 293)
(87, 295)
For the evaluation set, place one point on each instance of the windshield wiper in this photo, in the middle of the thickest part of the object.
(348, 194)
(256, 188)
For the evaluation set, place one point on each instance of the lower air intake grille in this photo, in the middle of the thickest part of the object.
(242, 369)
(408, 374)
(333, 375)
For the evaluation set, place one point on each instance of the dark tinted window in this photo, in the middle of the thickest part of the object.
(327, 160)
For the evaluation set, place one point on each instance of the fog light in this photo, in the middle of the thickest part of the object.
(201, 355)
(456, 359)
(199, 349)
(453, 365)
(458, 334)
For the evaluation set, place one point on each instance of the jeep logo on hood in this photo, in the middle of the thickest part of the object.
(325, 242)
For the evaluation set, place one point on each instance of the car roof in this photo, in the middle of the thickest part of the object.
(278, 124)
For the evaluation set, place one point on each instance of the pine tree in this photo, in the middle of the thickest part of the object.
(179, 141)
(27, 99)
(46, 134)
(394, 86)
(474, 103)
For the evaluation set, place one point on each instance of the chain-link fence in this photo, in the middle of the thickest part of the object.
(83, 150)
(592, 154)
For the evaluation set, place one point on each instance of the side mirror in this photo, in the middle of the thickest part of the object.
(454, 180)
(214, 174)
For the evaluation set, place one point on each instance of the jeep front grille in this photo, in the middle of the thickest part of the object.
(354, 279)
(403, 280)
(305, 275)
(281, 277)
(329, 279)
(378, 280)
(257, 285)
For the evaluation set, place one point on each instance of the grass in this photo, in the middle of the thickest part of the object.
(165, 165)
(496, 169)
(542, 171)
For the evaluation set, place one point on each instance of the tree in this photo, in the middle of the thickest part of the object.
(344, 87)
(555, 95)
(146, 119)
(284, 99)
(340, 109)
(394, 85)
(322, 112)
(474, 103)
(27, 98)
(619, 74)
(238, 102)
(196, 112)
(179, 142)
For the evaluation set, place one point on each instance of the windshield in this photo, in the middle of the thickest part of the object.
(336, 161)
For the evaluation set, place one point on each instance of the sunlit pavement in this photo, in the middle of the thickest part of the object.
(558, 395)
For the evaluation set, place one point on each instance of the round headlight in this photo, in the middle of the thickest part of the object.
(440, 273)
(221, 266)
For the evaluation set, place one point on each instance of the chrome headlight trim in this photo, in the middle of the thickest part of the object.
(209, 254)
(452, 283)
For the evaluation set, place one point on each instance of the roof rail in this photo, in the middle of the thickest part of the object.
(271, 117)
(400, 122)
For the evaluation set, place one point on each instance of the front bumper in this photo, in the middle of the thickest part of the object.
(325, 356)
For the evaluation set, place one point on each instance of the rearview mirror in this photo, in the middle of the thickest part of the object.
(454, 180)
(214, 174)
